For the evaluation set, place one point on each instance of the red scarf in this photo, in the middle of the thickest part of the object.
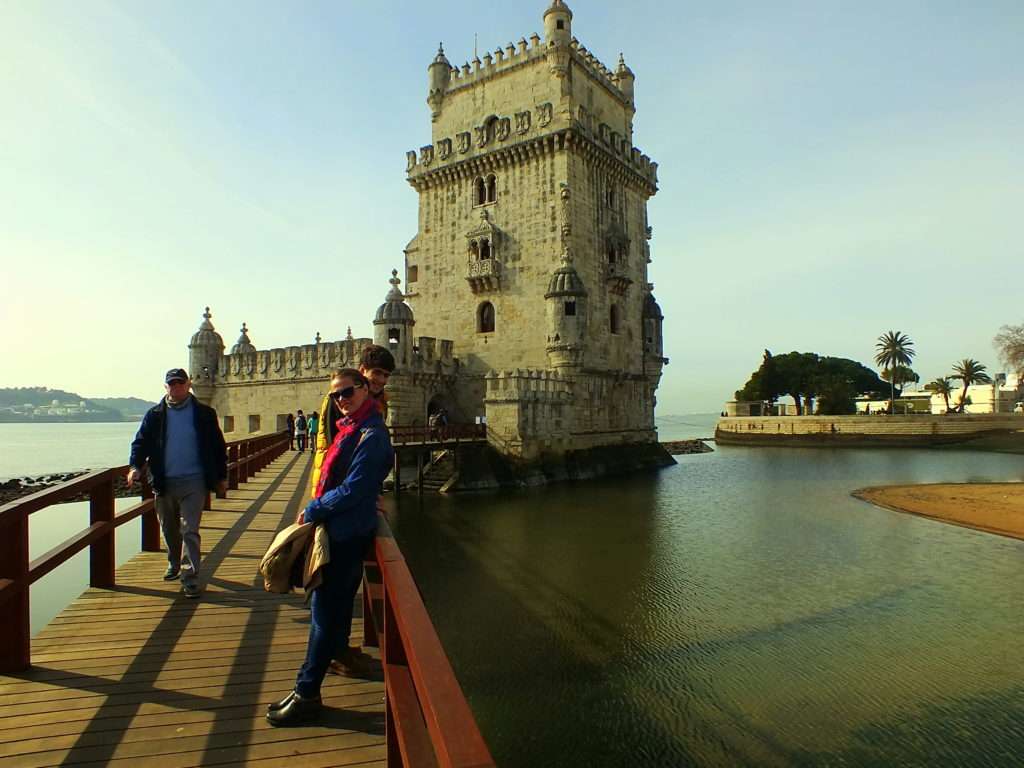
(348, 428)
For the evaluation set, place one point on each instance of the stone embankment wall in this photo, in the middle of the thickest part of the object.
(859, 431)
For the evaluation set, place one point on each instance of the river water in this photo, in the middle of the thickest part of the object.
(738, 609)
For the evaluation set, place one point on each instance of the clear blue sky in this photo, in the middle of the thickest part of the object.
(829, 171)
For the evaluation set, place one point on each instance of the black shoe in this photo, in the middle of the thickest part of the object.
(278, 705)
(171, 573)
(353, 662)
(191, 591)
(296, 711)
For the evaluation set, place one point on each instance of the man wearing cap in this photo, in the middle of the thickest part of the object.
(181, 444)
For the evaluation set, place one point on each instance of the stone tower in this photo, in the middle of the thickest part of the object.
(204, 354)
(533, 242)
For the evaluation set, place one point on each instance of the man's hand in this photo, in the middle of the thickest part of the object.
(133, 475)
(301, 518)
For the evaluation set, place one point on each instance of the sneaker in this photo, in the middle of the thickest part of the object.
(171, 573)
(191, 591)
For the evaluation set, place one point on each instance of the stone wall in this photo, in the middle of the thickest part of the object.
(863, 430)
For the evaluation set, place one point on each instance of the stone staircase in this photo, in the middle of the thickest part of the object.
(439, 471)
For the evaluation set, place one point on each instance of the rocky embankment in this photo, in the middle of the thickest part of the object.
(11, 490)
(682, 447)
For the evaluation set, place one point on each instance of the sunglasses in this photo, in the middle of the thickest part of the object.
(346, 393)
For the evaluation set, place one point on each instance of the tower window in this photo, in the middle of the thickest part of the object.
(492, 189)
(613, 318)
(570, 308)
(480, 192)
(412, 274)
(254, 424)
(394, 336)
(485, 318)
(485, 249)
(560, 24)
(229, 423)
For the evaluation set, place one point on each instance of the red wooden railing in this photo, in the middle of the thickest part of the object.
(17, 573)
(452, 433)
(428, 721)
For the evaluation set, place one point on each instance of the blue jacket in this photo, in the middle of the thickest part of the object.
(151, 439)
(349, 510)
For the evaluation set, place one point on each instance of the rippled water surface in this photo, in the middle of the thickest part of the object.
(737, 609)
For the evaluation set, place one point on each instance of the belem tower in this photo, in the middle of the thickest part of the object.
(528, 269)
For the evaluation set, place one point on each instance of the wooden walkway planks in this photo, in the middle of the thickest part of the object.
(139, 676)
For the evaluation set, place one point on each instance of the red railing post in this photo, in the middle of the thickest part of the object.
(150, 522)
(233, 470)
(15, 642)
(101, 551)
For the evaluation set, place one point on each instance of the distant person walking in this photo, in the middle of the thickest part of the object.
(300, 431)
(312, 425)
(181, 446)
(289, 424)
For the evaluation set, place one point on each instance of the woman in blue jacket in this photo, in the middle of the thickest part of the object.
(345, 501)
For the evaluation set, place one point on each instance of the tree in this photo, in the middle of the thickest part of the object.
(900, 375)
(969, 371)
(893, 348)
(836, 396)
(805, 375)
(941, 386)
(1009, 343)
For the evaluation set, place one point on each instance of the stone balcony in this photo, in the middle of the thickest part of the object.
(483, 275)
(615, 277)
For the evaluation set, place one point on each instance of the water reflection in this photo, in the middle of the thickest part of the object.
(739, 609)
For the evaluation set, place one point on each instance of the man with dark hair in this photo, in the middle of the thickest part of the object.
(300, 431)
(181, 445)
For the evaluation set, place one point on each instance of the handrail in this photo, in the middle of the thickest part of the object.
(450, 433)
(427, 718)
(246, 457)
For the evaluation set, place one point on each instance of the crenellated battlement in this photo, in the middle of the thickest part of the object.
(527, 385)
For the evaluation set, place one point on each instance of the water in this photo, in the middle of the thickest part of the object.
(739, 609)
(30, 450)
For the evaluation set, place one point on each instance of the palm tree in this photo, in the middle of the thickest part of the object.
(892, 349)
(969, 371)
(941, 386)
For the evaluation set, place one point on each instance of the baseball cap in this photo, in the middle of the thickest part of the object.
(175, 374)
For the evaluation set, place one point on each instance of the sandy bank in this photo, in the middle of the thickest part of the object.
(992, 507)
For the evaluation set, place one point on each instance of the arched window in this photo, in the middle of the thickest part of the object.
(570, 308)
(492, 189)
(480, 192)
(485, 249)
(394, 335)
(613, 318)
(611, 254)
(474, 250)
(485, 318)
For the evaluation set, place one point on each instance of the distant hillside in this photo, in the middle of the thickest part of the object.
(42, 404)
(130, 407)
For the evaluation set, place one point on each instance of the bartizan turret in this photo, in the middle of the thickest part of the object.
(557, 37)
(439, 74)
(566, 312)
(625, 79)
(393, 324)
(204, 354)
(244, 345)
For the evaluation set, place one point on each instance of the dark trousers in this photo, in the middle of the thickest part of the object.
(300, 438)
(331, 612)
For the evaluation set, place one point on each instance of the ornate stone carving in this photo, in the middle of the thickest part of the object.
(522, 122)
(504, 128)
(462, 141)
(427, 154)
(277, 360)
(480, 135)
(293, 359)
(410, 160)
(262, 362)
(544, 114)
(444, 149)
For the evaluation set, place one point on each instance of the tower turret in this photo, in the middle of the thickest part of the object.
(557, 24)
(243, 346)
(625, 79)
(439, 74)
(566, 316)
(393, 323)
(204, 353)
(654, 345)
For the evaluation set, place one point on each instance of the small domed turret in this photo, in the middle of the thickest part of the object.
(439, 74)
(243, 346)
(393, 323)
(566, 300)
(625, 79)
(652, 321)
(557, 24)
(204, 353)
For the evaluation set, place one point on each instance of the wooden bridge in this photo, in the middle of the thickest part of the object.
(133, 674)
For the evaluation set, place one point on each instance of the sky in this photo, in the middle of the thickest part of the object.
(828, 171)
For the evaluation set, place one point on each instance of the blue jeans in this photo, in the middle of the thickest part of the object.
(331, 612)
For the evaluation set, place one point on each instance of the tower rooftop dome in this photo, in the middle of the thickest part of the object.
(243, 346)
(394, 309)
(206, 336)
(651, 308)
(565, 281)
(558, 5)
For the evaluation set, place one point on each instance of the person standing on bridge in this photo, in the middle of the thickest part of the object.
(300, 431)
(180, 443)
(376, 364)
(345, 501)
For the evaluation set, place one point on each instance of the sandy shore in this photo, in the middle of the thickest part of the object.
(992, 507)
